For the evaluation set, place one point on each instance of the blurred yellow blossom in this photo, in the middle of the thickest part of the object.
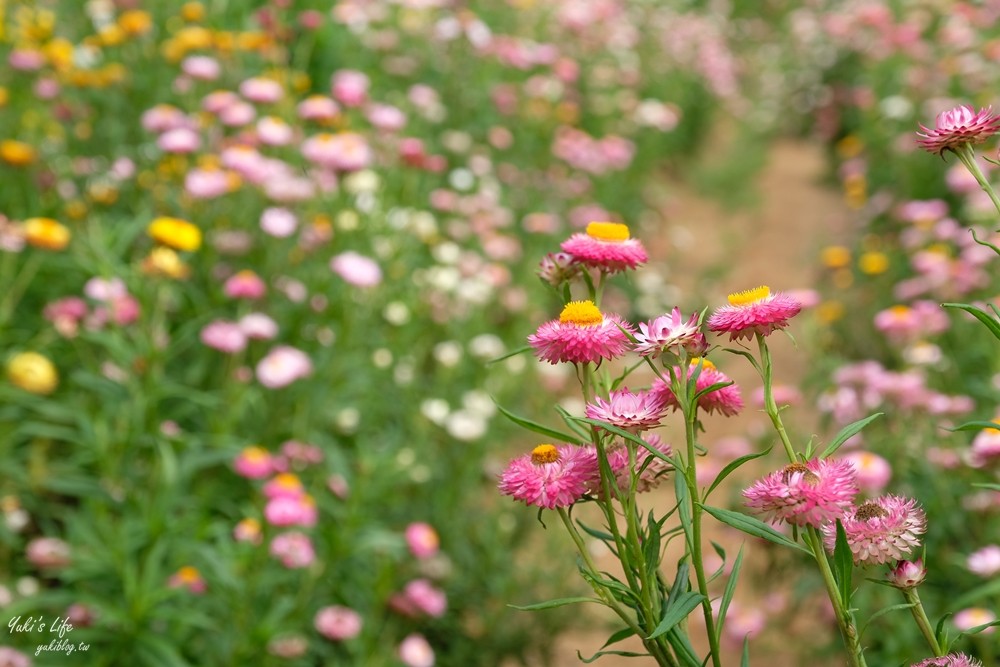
(165, 262)
(873, 263)
(192, 11)
(17, 153)
(33, 373)
(835, 256)
(175, 233)
(135, 22)
(46, 233)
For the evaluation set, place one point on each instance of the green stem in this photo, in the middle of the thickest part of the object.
(967, 155)
(844, 620)
(920, 616)
(769, 405)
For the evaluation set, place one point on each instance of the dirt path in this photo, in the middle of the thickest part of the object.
(775, 244)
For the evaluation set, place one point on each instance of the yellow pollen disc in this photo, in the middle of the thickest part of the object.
(608, 231)
(544, 454)
(900, 311)
(704, 362)
(749, 296)
(581, 313)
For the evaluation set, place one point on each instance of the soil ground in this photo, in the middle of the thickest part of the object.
(774, 243)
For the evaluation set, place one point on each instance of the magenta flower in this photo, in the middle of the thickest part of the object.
(420, 598)
(422, 540)
(254, 462)
(224, 336)
(754, 311)
(907, 574)
(294, 550)
(671, 333)
(244, 285)
(551, 476)
(880, 530)
(606, 246)
(338, 623)
(580, 335)
(726, 401)
(958, 127)
(633, 412)
(804, 494)
(950, 660)
(291, 511)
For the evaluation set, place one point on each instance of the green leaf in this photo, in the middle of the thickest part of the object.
(985, 485)
(676, 611)
(988, 320)
(727, 595)
(714, 387)
(980, 241)
(628, 436)
(752, 526)
(733, 465)
(682, 647)
(941, 632)
(552, 604)
(683, 505)
(976, 630)
(977, 425)
(745, 660)
(843, 565)
(571, 422)
(625, 654)
(536, 427)
(847, 432)
(749, 357)
(622, 634)
(512, 353)
(883, 612)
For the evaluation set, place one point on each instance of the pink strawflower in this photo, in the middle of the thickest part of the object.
(880, 530)
(804, 494)
(652, 474)
(985, 448)
(415, 651)
(974, 617)
(422, 540)
(958, 127)
(907, 574)
(350, 87)
(258, 326)
(248, 530)
(282, 366)
(670, 334)
(207, 183)
(273, 131)
(754, 311)
(580, 335)
(10, 657)
(278, 222)
(631, 411)
(261, 90)
(189, 578)
(726, 401)
(356, 269)
(985, 562)
(204, 68)
(291, 511)
(550, 476)
(294, 550)
(874, 472)
(224, 336)
(557, 268)
(950, 660)
(48, 553)
(180, 140)
(420, 598)
(338, 623)
(254, 463)
(318, 107)
(286, 484)
(245, 285)
(606, 246)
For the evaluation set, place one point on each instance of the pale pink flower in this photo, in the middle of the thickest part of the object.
(48, 553)
(950, 660)
(343, 151)
(291, 511)
(558, 267)
(874, 472)
(294, 550)
(984, 562)
(631, 411)
(350, 87)
(973, 617)
(582, 334)
(958, 127)
(884, 529)
(338, 623)
(188, 578)
(204, 68)
(985, 448)
(752, 312)
(415, 651)
(26, 59)
(180, 140)
(606, 246)
(318, 108)
(237, 114)
(422, 540)
(206, 183)
(670, 334)
(550, 476)
(248, 530)
(261, 90)
(804, 494)
(420, 598)
(258, 326)
(726, 400)
(278, 222)
(274, 131)
(282, 366)
(653, 472)
(356, 269)
(164, 117)
(286, 484)
(10, 657)
(224, 336)
(907, 574)
(218, 100)
(386, 117)
(244, 285)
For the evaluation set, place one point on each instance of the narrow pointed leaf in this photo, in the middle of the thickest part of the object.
(883, 612)
(976, 425)
(727, 595)
(843, 565)
(847, 432)
(551, 604)
(752, 526)
(676, 611)
(745, 660)
(512, 353)
(733, 465)
(991, 322)
(625, 654)
(536, 427)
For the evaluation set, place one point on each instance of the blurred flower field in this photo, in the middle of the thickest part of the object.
(271, 329)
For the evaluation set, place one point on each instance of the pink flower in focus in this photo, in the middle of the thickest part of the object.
(581, 335)
(278, 222)
(245, 285)
(671, 333)
(415, 651)
(884, 529)
(726, 400)
(632, 412)
(907, 574)
(282, 366)
(558, 267)
(48, 553)
(350, 87)
(422, 540)
(874, 472)
(958, 127)
(550, 476)
(294, 550)
(224, 336)
(950, 660)
(606, 246)
(338, 623)
(752, 312)
(356, 269)
(984, 562)
(804, 494)
(254, 463)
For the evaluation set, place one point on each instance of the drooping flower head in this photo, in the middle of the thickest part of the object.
(880, 530)
(631, 411)
(959, 126)
(804, 494)
(550, 476)
(726, 400)
(606, 246)
(950, 660)
(581, 334)
(558, 267)
(669, 334)
(754, 311)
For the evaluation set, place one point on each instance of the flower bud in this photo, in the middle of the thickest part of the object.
(907, 574)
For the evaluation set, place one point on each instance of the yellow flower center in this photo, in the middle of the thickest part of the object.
(581, 313)
(608, 231)
(256, 454)
(808, 475)
(544, 454)
(704, 362)
(189, 574)
(749, 296)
